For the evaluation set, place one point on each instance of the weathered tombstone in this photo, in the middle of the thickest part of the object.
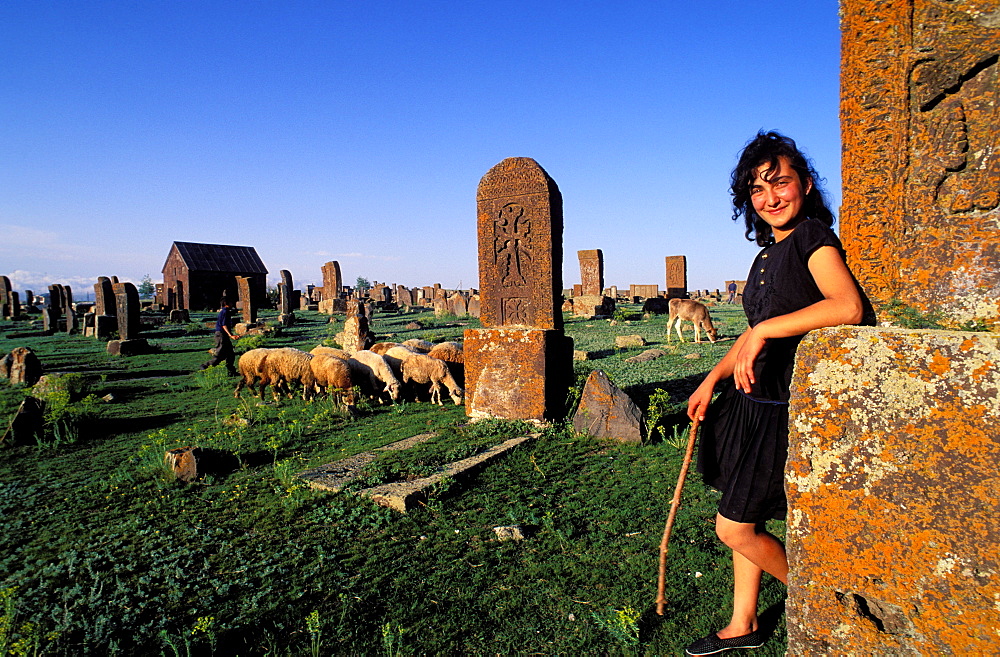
(6, 309)
(923, 76)
(50, 320)
(247, 307)
(605, 411)
(677, 277)
(180, 299)
(29, 299)
(15, 305)
(441, 307)
(55, 300)
(67, 304)
(356, 334)
(332, 285)
(25, 367)
(459, 307)
(591, 301)
(127, 311)
(105, 320)
(644, 291)
(474, 309)
(520, 364)
(285, 288)
(895, 433)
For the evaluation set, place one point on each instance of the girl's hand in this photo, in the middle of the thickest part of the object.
(743, 368)
(699, 400)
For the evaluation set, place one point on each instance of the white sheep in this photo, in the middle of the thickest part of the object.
(373, 367)
(333, 375)
(287, 365)
(421, 368)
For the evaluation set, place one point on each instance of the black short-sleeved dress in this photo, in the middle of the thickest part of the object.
(744, 439)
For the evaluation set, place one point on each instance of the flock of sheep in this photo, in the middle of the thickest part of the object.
(387, 372)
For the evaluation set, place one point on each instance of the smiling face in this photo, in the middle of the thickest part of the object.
(778, 197)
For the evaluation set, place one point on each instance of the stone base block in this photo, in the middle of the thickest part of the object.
(286, 319)
(593, 307)
(180, 316)
(894, 493)
(128, 347)
(521, 374)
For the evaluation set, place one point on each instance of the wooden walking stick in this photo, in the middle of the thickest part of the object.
(674, 504)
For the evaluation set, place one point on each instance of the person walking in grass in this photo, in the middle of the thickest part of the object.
(224, 340)
(798, 282)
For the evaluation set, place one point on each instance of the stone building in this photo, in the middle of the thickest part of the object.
(195, 276)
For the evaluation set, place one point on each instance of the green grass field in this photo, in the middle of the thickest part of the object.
(101, 552)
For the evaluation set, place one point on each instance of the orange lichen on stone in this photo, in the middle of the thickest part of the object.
(893, 493)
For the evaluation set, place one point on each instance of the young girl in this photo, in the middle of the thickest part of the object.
(797, 283)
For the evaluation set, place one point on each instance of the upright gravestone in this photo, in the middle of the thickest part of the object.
(519, 365)
(56, 299)
(285, 288)
(67, 304)
(591, 301)
(15, 305)
(333, 283)
(127, 311)
(923, 77)
(459, 307)
(29, 299)
(895, 433)
(105, 320)
(6, 307)
(677, 277)
(247, 308)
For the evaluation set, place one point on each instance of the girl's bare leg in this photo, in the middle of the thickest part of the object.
(755, 552)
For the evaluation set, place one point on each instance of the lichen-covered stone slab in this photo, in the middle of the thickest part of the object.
(605, 411)
(334, 476)
(894, 493)
(920, 123)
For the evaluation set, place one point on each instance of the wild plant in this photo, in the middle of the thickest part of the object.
(314, 625)
(205, 625)
(622, 624)
(392, 639)
(63, 419)
(212, 378)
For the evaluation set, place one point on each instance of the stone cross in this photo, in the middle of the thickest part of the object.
(520, 364)
(520, 246)
(333, 282)
(677, 277)
(591, 272)
(921, 209)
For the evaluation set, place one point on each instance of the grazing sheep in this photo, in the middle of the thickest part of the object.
(333, 375)
(379, 374)
(395, 357)
(421, 368)
(287, 365)
(454, 355)
(420, 346)
(382, 347)
(330, 351)
(249, 367)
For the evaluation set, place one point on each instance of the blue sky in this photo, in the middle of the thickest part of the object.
(358, 131)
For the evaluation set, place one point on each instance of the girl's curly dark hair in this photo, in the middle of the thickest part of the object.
(766, 148)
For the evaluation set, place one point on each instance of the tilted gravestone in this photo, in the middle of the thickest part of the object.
(894, 436)
(677, 277)
(520, 364)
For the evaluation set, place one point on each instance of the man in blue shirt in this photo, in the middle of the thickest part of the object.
(223, 340)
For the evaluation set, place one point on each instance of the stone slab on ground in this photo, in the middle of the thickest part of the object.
(334, 476)
(403, 495)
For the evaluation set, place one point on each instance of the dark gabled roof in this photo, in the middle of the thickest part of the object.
(220, 257)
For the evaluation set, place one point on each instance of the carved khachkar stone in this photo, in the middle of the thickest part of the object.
(677, 277)
(247, 309)
(893, 493)
(519, 366)
(644, 291)
(920, 124)
(520, 246)
(591, 272)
